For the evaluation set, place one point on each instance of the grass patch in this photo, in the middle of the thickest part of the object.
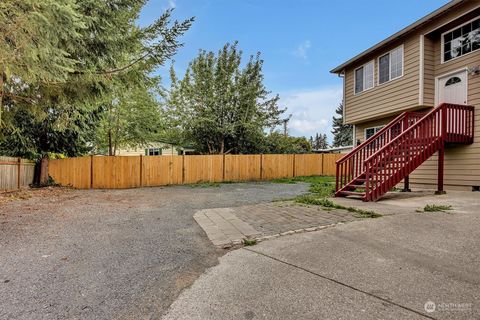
(322, 189)
(436, 208)
(205, 185)
(249, 242)
(322, 186)
(366, 214)
(311, 179)
(286, 181)
(328, 204)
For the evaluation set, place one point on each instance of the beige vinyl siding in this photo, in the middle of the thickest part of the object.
(428, 72)
(462, 163)
(381, 104)
(388, 98)
(167, 150)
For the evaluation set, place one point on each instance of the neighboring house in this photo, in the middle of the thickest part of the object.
(345, 149)
(433, 61)
(155, 149)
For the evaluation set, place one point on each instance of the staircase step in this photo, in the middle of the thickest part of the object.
(352, 193)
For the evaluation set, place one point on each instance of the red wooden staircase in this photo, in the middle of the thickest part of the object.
(381, 162)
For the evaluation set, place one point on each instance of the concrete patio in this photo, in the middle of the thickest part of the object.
(407, 265)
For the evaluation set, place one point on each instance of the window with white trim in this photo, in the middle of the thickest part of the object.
(461, 40)
(364, 77)
(153, 152)
(390, 65)
(371, 131)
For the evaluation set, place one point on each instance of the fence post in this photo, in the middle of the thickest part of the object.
(141, 170)
(91, 172)
(183, 169)
(19, 183)
(323, 164)
(261, 166)
(294, 159)
(223, 175)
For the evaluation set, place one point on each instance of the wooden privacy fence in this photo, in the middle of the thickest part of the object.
(15, 173)
(102, 172)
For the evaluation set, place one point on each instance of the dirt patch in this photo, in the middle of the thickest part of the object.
(27, 193)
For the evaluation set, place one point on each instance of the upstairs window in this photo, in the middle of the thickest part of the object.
(364, 77)
(460, 41)
(390, 65)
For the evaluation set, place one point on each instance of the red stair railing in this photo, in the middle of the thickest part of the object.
(351, 165)
(398, 158)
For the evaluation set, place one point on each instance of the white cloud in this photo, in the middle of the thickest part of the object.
(302, 50)
(312, 110)
(172, 4)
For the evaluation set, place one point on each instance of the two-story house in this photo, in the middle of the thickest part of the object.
(432, 63)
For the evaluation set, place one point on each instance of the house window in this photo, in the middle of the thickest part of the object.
(452, 81)
(364, 77)
(390, 65)
(369, 132)
(460, 41)
(153, 152)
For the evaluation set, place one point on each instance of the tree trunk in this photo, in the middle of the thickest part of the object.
(44, 171)
(110, 142)
(1, 99)
(117, 132)
(222, 146)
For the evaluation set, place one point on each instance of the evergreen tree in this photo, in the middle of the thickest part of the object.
(342, 133)
(61, 59)
(322, 142)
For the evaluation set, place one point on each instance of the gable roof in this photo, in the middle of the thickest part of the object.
(401, 33)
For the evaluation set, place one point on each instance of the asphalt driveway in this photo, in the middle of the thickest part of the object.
(116, 254)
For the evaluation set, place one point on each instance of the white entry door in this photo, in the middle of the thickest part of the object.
(452, 88)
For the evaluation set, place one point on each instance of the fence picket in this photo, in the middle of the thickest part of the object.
(15, 173)
(130, 172)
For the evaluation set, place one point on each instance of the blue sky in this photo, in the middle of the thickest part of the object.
(300, 41)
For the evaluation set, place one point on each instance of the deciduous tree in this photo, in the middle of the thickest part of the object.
(131, 117)
(222, 107)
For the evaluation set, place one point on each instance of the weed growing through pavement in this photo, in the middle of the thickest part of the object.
(435, 208)
(249, 242)
(323, 187)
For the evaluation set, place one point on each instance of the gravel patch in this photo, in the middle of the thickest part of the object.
(103, 254)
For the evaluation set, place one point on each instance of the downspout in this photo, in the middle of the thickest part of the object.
(421, 75)
(342, 75)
